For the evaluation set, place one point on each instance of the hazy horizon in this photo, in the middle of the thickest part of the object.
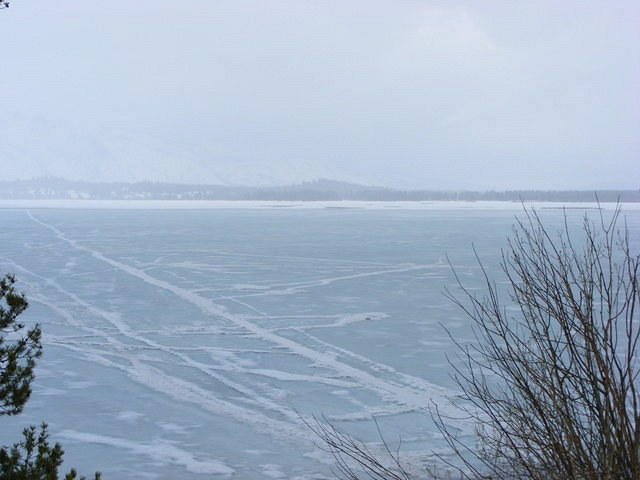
(412, 95)
(323, 182)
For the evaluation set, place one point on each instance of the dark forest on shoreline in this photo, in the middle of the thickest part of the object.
(317, 190)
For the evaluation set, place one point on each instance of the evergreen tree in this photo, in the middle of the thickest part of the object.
(32, 458)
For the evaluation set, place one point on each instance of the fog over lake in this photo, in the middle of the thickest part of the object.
(235, 218)
(415, 94)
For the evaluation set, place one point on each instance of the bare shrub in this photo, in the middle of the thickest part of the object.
(352, 455)
(551, 382)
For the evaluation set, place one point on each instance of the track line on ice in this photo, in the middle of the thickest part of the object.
(290, 288)
(222, 253)
(183, 391)
(387, 389)
(159, 451)
(124, 330)
(407, 379)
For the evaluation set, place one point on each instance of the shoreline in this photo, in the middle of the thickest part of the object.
(304, 205)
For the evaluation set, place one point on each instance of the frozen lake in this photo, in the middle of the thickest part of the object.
(188, 343)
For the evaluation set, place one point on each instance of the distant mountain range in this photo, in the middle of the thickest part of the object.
(57, 188)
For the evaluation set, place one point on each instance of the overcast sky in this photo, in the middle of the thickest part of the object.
(414, 94)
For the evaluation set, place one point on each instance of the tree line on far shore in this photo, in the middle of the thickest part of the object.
(49, 188)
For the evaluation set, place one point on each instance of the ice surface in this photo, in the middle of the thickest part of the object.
(269, 205)
(192, 344)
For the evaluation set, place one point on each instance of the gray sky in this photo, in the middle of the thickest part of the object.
(415, 94)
